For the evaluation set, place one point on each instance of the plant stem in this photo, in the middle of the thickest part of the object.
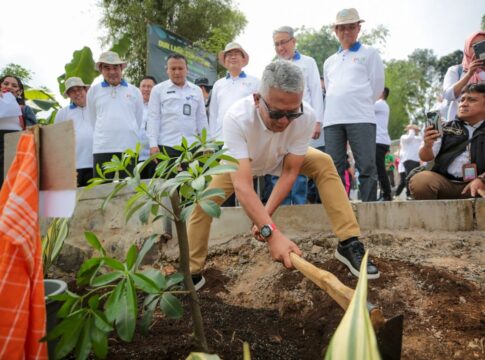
(185, 270)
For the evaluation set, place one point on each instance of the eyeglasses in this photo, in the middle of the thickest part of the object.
(282, 42)
(278, 114)
(350, 27)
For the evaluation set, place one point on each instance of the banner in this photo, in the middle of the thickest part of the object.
(162, 43)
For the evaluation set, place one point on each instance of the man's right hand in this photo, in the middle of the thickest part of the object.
(154, 150)
(280, 248)
(430, 136)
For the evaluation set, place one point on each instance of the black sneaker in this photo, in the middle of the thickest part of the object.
(198, 280)
(351, 255)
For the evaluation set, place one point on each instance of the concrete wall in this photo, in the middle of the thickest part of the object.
(117, 235)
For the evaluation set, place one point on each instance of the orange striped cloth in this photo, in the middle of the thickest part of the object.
(22, 304)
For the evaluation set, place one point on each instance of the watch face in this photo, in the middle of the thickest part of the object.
(266, 231)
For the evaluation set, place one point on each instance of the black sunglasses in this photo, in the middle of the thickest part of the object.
(278, 114)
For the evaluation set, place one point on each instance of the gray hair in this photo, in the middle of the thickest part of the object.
(282, 75)
(284, 29)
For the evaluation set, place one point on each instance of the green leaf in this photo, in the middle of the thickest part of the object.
(131, 256)
(122, 46)
(149, 307)
(132, 210)
(221, 169)
(99, 340)
(101, 321)
(83, 347)
(355, 337)
(106, 278)
(113, 263)
(171, 306)
(94, 242)
(126, 318)
(68, 323)
(199, 183)
(112, 305)
(210, 208)
(174, 279)
(210, 193)
(88, 265)
(93, 302)
(112, 167)
(81, 65)
(157, 277)
(186, 212)
(147, 245)
(145, 211)
(70, 337)
(144, 283)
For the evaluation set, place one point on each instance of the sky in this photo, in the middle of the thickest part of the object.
(42, 35)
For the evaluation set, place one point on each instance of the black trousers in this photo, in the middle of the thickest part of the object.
(381, 151)
(409, 165)
(83, 175)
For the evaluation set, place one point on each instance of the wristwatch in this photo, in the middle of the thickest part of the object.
(267, 230)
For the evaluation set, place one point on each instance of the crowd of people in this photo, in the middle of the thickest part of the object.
(294, 127)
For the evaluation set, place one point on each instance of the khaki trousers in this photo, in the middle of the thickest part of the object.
(317, 166)
(429, 185)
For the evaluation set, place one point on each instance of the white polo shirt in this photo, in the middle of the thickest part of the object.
(381, 110)
(116, 113)
(175, 112)
(313, 89)
(225, 92)
(410, 144)
(246, 137)
(145, 146)
(83, 132)
(354, 80)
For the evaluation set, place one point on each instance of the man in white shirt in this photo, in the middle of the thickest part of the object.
(115, 109)
(354, 80)
(76, 111)
(146, 86)
(285, 47)
(459, 153)
(176, 109)
(268, 133)
(409, 144)
(234, 86)
(383, 144)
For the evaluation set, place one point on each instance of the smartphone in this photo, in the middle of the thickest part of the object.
(479, 49)
(433, 118)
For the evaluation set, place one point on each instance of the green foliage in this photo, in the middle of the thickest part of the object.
(82, 65)
(17, 70)
(354, 338)
(446, 61)
(207, 23)
(42, 100)
(376, 37)
(53, 241)
(482, 25)
(110, 301)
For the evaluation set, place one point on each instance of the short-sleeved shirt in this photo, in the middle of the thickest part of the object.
(246, 137)
(175, 112)
(83, 132)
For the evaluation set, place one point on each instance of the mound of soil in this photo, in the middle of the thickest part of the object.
(434, 279)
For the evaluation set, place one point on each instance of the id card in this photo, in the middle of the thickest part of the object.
(469, 172)
(187, 110)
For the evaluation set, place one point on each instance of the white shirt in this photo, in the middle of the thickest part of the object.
(225, 92)
(116, 114)
(453, 75)
(312, 93)
(145, 146)
(456, 167)
(246, 137)
(354, 80)
(410, 144)
(175, 112)
(83, 132)
(381, 110)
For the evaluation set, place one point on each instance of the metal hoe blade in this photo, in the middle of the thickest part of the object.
(389, 338)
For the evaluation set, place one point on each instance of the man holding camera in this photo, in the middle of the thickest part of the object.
(458, 153)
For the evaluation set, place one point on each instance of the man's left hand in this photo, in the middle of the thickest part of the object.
(256, 234)
(317, 131)
(475, 187)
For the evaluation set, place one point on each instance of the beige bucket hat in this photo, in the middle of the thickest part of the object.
(347, 16)
(110, 57)
(233, 46)
(72, 82)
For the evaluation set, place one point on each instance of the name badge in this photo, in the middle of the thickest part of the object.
(187, 109)
(469, 172)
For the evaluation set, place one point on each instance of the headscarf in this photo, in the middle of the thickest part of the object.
(468, 55)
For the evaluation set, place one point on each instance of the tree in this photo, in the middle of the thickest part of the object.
(446, 61)
(17, 70)
(317, 44)
(482, 26)
(207, 23)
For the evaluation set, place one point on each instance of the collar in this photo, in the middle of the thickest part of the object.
(72, 106)
(354, 48)
(171, 84)
(476, 126)
(296, 55)
(122, 83)
(242, 74)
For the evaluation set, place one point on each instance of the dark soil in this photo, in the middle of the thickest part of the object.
(283, 316)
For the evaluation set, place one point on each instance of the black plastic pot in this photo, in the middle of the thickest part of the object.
(52, 287)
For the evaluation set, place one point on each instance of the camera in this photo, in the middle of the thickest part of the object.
(433, 118)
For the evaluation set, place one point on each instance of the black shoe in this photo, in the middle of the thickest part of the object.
(351, 255)
(198, 280)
